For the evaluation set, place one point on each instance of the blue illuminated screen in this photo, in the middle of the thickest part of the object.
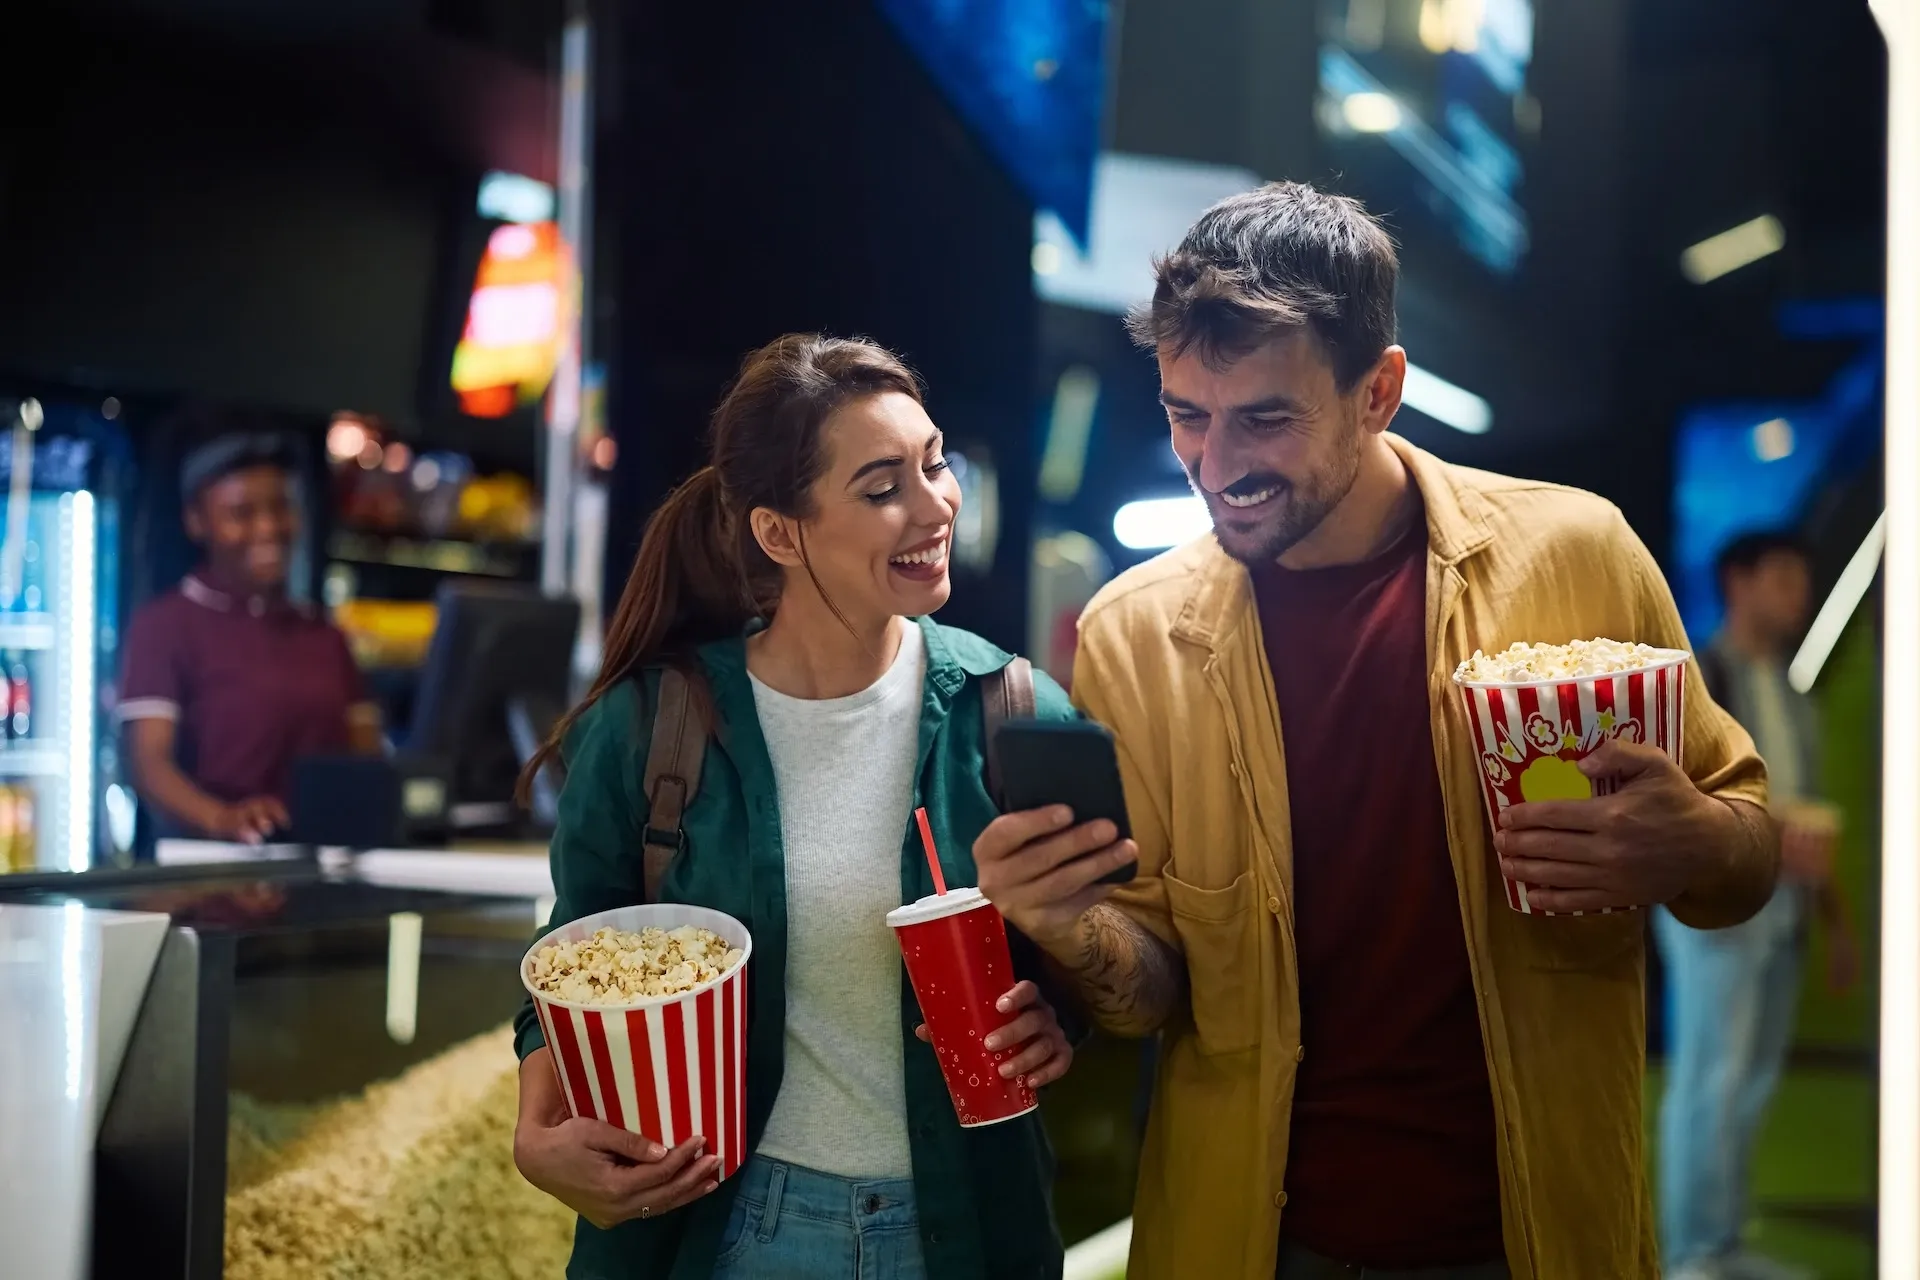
(1425, 111)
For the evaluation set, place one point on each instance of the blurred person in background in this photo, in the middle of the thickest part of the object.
(1372, 1065)
(1733, 991)
(791, 579)
(227, 681)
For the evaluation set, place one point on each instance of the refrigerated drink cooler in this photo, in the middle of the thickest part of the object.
(59, 482)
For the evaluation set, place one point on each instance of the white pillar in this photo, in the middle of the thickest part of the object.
(562, 470)
(1900, 646)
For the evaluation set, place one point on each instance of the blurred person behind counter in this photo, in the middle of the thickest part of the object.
(227, 680)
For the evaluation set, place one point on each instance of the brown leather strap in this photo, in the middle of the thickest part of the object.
(1006, 694)
(674, 757)
(1020, 697)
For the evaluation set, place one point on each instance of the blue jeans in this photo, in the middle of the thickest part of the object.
(790, 1223)
(1731, 998)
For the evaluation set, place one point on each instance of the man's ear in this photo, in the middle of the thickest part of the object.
(195, 522)
(1381, 389)
(778, 536)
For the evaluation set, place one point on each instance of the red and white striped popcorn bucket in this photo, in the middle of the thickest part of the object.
(666, 1067)
(1528, 735)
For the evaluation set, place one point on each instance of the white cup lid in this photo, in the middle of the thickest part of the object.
(935, 906)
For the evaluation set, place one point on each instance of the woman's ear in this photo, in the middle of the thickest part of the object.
(778, 536)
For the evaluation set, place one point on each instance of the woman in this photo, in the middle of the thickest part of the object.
(228, 681)
(826, 513)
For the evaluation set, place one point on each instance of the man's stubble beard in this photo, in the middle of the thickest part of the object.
(1303, 507)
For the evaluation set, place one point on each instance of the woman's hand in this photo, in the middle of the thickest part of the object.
(1046, 1054)
(604, 1174)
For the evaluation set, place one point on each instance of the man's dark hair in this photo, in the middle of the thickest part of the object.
(1744, 553)
(1270, 262)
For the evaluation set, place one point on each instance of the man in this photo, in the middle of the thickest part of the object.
(227, 681)
(1733, 992)
(1371, 1064)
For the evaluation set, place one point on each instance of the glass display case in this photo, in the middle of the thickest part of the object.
(320, 1081)
(316, 1059)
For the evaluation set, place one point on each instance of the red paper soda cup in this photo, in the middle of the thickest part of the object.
(1528, 734)
(955, 946)
(668, 1068)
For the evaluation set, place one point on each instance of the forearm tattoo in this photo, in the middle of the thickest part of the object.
(1131, 982)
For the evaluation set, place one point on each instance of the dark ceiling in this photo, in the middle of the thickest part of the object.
(1744, 107)
(468, 81)
(1664, 121)
(270, 204)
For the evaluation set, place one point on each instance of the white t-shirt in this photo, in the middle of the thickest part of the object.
(844, 770)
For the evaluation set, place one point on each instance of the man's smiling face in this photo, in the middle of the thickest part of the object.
(1269, 441)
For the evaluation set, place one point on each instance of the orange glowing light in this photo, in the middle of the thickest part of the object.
(523, 295)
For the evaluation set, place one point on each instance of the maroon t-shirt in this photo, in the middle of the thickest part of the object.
(1392, 1160)
(253, 684)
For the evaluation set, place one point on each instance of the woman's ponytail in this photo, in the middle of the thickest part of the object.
(700, 576)
(689, 585)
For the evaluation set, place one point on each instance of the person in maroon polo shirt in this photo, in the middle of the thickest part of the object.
(227, 681)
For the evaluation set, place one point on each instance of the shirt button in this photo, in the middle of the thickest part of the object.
(1273, 905)
(1280, 1200)
(1300, 1054)
(1233, 770)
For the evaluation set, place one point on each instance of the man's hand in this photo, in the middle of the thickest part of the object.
(1809, 838)
(1043, 872)
(250, 821)
(1647, 843)
(1843, 960)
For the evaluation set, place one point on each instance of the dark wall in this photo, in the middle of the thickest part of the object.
(1659, 124)
(1228, 82)
(1235, 81)
(801, 172)
(1738, 108)
(265, 218)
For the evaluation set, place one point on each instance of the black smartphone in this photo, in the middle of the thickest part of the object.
(1069, 762)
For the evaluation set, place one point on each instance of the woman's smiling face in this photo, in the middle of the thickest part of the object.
(876, 541)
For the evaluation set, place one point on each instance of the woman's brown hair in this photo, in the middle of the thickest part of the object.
(700, 575)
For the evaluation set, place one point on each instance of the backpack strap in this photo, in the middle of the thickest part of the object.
(674, 757)
(1006, 694)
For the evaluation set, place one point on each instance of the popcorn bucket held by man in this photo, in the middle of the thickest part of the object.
(1537, 710)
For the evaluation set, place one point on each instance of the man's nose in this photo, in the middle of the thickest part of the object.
(1220, 462)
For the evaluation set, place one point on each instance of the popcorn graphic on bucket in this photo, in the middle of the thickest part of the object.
(645, 1009)
(1537, 710)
